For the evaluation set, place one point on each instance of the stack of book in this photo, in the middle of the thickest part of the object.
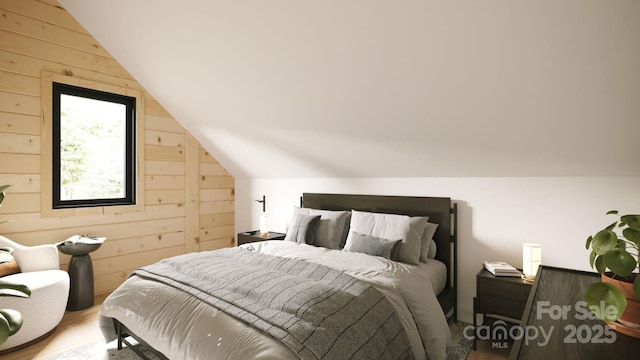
(501, 268)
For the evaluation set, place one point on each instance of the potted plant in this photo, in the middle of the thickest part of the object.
(617, 297)
(10, 320)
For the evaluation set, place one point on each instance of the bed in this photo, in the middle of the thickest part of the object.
(302, 300)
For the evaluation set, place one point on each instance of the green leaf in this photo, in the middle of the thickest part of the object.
(632, 234)
(15, 290)
(4, 330)
(636, 286)
(605, 300)
(612, 212)
(14, 318)
(632, 220)
(601, 266)
(612, 226)
(2, 194)
(604, 241)
(592, 258)
(589, 239)
(620, 262)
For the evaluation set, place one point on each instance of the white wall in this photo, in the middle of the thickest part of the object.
(496, 215)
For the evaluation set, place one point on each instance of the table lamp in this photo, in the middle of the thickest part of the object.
(264, 218)
(531, 260)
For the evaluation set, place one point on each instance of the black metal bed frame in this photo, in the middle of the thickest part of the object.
(123, 333)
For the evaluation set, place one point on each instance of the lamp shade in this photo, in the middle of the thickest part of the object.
(264, 218)
(264, 224)
(531, 259)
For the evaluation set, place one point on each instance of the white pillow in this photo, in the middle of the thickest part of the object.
(433, 248)
(391, 226)
(426, 240)
(332, 231)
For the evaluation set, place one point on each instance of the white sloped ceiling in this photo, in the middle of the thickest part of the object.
(377, 88)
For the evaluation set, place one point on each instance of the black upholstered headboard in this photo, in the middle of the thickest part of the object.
(440, 210)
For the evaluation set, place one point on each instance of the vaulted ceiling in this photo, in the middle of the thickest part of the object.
(378, 88)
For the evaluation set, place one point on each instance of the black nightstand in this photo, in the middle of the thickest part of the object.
(499, 297)
(253, 236)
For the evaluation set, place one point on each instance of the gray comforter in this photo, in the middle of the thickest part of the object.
(318, 312)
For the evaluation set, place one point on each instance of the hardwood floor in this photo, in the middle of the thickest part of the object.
(485, 351)
(81, 327)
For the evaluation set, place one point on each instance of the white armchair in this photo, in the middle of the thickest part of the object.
(42, 312)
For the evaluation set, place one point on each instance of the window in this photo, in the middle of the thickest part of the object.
(93, 147)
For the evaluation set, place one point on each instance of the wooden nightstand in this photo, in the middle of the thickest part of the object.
(499, 297)
(253, 236)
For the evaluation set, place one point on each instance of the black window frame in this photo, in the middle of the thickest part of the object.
(130, 144)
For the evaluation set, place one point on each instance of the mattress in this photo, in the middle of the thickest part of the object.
(181, 327)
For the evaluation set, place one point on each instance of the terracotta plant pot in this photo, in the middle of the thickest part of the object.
(631, 315)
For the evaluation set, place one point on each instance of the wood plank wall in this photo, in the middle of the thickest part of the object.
(189, 196)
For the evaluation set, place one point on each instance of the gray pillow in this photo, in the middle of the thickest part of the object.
(373, 245)
(333, 228)
(303, 229)
(427, 240)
